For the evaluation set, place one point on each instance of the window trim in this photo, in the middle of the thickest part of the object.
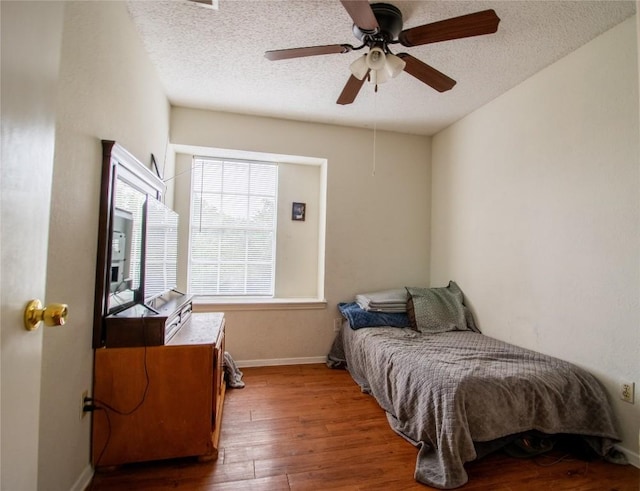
(183, 155)
(208, 303)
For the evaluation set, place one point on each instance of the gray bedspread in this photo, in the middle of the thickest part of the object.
(445, 391)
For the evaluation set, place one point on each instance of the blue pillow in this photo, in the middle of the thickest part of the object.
(358, 317)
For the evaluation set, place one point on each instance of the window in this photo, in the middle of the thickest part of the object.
(233, 227)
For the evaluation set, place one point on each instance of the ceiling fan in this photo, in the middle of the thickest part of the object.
(378, 26)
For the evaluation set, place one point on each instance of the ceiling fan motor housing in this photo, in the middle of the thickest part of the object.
(389, 19)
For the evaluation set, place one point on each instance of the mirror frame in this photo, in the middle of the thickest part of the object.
(117, 163)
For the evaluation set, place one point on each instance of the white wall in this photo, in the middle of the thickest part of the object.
(536, 214)
(377, 230)
(108, 90)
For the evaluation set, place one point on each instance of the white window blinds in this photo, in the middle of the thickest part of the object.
(233, 227)
(161, 249)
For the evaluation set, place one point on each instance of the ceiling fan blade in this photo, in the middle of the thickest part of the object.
(477, 24)
(284, 54)
(351, 89)
(426, 73)
(361, 13)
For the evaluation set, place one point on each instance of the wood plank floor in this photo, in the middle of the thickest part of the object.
(307, 427)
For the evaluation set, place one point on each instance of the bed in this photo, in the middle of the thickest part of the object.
(456, 393)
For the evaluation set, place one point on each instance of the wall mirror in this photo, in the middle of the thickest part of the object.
(126, 184)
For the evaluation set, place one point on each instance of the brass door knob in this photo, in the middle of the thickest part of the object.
(53, 315)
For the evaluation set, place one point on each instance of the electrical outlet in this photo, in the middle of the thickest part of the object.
(337, 324)
(626, 391)
(85, 395)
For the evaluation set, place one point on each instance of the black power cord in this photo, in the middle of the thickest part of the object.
(93, 404)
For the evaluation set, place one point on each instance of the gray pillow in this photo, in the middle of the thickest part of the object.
(439, 309)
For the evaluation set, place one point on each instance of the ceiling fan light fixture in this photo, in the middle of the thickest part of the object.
(379, 76)
(376, 58)
(359, 67)
(394, 65)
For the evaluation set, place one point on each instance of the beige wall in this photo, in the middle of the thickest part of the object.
(536, 213)
(298, 241)
(108, 90)
(376, 226)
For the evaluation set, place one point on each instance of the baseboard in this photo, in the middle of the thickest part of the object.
(281, 361)
(634, 458)
(84, 480)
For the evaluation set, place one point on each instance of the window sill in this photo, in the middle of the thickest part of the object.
(215, 304)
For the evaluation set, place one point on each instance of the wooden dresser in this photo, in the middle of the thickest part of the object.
(161, 402)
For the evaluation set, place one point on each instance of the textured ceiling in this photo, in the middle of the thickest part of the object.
(214, 59)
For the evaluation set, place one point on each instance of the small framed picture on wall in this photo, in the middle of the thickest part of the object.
(298, 211)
